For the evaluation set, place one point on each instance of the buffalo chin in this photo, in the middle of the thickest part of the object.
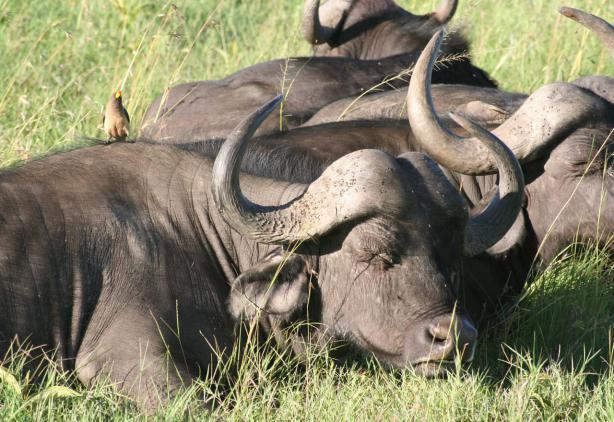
(433, 369)
(430, 369)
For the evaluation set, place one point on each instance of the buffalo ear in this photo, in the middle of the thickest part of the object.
(278, 285)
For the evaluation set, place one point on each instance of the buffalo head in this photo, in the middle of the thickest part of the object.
(381, 239)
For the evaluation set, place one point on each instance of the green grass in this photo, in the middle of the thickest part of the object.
(550, 358)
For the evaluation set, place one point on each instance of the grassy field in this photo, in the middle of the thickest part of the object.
(550, 358)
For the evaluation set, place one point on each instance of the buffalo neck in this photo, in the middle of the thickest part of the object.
(235, 252)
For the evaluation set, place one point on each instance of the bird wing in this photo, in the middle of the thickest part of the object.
(126, 114)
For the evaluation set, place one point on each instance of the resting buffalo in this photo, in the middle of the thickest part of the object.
(307, 83)
(556, 132)
(378, 28)
(563, 133)
(120, 257)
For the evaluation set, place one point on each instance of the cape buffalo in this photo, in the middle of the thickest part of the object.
(117, 257)
(561, 132)
(307, 83)
(193, 110)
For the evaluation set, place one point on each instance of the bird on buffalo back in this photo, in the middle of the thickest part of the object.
(116, 120)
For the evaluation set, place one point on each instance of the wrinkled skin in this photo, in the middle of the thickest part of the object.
(112, 256)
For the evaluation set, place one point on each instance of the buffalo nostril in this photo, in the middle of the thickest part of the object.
(450, 336)
(441, 341)
(440, 332)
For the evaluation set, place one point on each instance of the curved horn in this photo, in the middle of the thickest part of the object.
(489, 226)
(445, 11)
(600, 27)
(550, 111)
(352, 187)
(450, 150)
(319, 24)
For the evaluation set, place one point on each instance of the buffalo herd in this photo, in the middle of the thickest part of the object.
(394, 222)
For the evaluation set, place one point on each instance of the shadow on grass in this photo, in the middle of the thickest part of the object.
(564, 318)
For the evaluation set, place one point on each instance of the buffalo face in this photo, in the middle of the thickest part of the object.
(385, 285)
(386, 236)
(390, 290)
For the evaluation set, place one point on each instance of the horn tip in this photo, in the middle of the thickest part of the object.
(569, 12)
(436, 40)
(446, 10)
(268, 107)
(461, 119)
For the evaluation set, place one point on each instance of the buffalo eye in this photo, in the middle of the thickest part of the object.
(381, 260)
(387, 259)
